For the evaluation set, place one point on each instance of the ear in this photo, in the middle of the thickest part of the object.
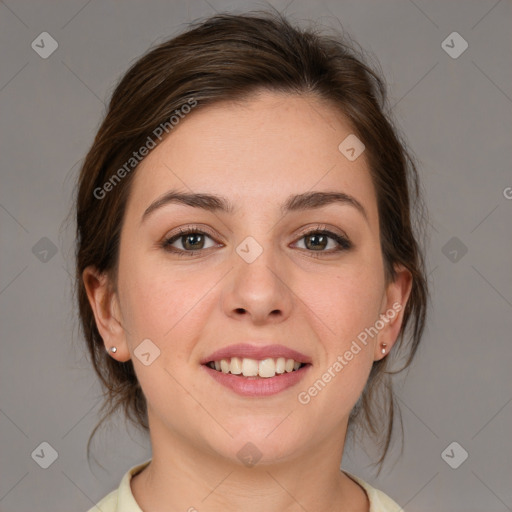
(392, 310)
(105, 306)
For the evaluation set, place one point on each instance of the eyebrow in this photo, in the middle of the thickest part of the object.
(294, 203)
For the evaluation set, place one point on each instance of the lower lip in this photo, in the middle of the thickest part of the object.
(258, 386)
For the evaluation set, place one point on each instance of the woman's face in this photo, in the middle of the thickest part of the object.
(255, 279)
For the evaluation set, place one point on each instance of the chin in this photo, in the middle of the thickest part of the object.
(265, 442)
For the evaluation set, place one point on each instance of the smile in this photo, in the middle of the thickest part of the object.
(249, 382)
(246, 367)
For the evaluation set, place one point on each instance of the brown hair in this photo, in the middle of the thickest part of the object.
(228, 57)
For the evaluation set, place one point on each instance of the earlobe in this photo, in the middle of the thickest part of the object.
(103, 302)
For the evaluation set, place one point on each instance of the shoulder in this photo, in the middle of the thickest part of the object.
(379, 502)
(121, 499)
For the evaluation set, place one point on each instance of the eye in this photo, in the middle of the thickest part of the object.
(189, 241)
(318, 240)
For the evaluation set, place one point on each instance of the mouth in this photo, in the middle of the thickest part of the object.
(256, 369)
(253, 370)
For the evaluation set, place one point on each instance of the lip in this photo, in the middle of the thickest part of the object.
(258, 386)
(259, 352)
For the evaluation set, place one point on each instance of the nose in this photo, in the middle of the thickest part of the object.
(258, 292)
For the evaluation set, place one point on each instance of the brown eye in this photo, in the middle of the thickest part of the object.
(187, 241)
(318, 241)
(192, 241)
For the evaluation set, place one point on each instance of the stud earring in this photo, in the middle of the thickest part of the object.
(112, 349)
(384, 345)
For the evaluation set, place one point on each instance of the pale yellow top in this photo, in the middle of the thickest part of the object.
(122, 500)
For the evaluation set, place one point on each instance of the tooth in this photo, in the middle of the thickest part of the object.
(236, 366)
(280, 364)
(249, 367)
(267, 368)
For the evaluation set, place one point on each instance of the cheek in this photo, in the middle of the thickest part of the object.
(166, 310)
(163, 304)
(353, 301)
(346, 384)
(347, 301)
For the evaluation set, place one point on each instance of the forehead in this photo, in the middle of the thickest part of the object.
(257, 152)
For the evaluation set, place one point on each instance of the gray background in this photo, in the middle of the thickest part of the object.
(456, 114)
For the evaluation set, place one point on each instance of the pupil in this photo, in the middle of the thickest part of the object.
(193, 237)
(317, 244)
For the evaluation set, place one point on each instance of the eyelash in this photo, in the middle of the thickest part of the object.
(343, 242)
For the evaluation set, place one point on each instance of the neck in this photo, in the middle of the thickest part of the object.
(182, 476)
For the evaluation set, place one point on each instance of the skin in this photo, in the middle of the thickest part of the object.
(256, 154)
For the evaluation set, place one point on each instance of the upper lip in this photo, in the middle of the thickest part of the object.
(254, 351)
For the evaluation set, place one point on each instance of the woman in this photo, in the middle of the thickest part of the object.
(246, 267)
